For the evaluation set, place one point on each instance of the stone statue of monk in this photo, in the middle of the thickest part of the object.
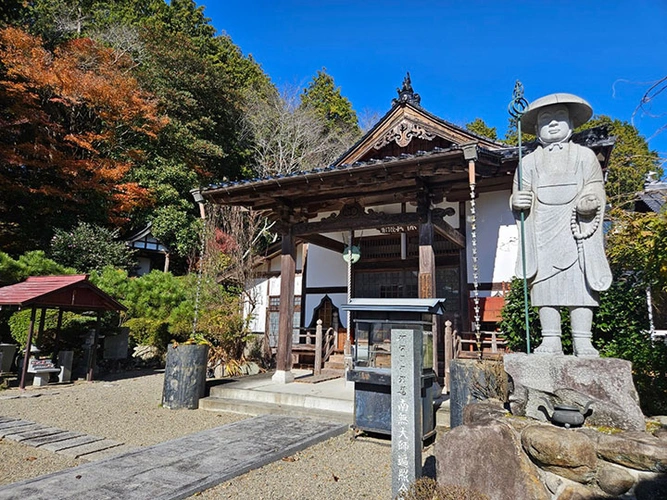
(563, 200)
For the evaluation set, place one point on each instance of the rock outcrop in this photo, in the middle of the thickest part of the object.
(515, 458)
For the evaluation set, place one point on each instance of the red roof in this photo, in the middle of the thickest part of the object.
(72, 292)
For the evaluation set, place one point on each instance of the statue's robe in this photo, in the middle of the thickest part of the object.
(564, 251)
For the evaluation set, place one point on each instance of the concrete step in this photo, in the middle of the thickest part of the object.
(255, 409)
(442, 413)
(304, 400)
(334, 365)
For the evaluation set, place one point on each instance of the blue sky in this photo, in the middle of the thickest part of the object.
(464, 56)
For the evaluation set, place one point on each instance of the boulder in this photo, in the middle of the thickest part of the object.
(576, 491)
(637, 451)
(614, 480)
(471, 381)
(568, 454)
(607, 382)
(484, 412)
(490, 459)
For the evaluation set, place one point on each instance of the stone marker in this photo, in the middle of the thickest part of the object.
(406, 415)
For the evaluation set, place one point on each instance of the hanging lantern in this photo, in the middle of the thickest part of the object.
(351, 254)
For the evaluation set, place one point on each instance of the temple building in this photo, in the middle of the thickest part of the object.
(398, 205)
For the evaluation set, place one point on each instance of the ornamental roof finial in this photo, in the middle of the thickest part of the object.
(407, 94)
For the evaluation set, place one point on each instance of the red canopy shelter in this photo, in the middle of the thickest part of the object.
(65, 293)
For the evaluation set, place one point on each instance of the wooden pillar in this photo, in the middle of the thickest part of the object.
(426, 260)
(58, 328)
(92, 359)
(26, 356)
(304, 282)
(427, 281)
(286, 314)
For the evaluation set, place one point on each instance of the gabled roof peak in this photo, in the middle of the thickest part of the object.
(406, 94)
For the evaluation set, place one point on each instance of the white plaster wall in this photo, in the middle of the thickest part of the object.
(325, 268)
(260, 293)
(452, 220)
(274, 285)
(497, 238)
(274, 265)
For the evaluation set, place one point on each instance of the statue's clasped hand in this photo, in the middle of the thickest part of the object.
(588, 205)
(522, 200)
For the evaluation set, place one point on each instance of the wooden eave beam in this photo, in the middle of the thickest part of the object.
(445, 230)
(366, 221)
(324, 242)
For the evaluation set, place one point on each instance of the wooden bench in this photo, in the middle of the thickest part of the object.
(42, 370)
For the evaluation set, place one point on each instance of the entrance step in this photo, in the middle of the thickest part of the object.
(329, 395)
(327, 374)
(254, 408)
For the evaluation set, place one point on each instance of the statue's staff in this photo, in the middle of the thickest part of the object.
(516, 109)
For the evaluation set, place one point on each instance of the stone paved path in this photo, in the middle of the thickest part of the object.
(180, 467)
(72, 444)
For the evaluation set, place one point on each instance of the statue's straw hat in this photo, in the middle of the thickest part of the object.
(580, 110)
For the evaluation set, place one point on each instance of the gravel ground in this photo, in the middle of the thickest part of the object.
(127, 408)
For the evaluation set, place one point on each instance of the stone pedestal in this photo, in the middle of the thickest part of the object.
(569, 380)
(283, 377)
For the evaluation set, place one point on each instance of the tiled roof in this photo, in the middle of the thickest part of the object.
(70, 292)
(591, 138)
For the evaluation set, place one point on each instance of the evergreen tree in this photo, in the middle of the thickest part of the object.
(630, 161)
(325, 99)
(479, 127)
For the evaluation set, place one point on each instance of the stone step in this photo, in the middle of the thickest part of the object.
(282, 398)
(54, 438)
(88, 448)
(255, 409)
(326, 374)
(334, 365)
(442, 414)
(58, 446)
(19, 425)
(24, 433)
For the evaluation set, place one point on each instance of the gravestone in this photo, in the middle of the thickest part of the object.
(116, 346)
(406, 421)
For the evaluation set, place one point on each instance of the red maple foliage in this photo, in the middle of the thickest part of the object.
(73, 123)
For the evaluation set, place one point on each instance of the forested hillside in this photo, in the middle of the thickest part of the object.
(113, 110)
